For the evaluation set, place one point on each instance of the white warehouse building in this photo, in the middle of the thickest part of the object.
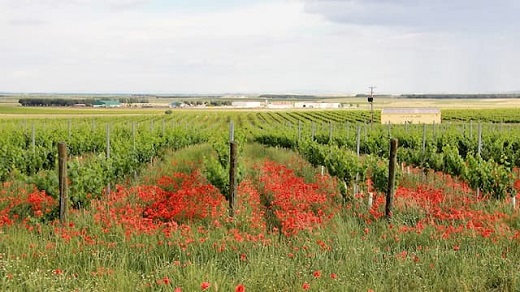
(246, 104)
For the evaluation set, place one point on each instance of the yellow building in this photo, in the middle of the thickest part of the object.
(411, 116)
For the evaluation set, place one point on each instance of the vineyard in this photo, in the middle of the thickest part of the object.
(151, 206)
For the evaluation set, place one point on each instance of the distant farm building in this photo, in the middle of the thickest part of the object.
(247, 104)
(177, 104)
(106, 103)
(411, 116)
(318, 105)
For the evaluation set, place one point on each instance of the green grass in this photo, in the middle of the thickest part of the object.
(31, 262)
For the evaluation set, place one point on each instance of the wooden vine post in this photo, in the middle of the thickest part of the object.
(299, 130)
(331, 129)
(62, 177)
(108, 154)
(313, 130)
(358, 146)
(33, 139)
(232, 169)
(391, 179)
(479, 151)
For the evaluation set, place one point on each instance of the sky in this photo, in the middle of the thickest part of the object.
(268, 46)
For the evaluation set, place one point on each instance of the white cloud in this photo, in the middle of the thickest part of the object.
(273, 46)
(465, 15)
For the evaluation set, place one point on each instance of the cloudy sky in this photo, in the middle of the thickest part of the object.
(258, 46)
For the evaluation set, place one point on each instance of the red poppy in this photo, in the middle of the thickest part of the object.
(205, 285)
(240, 288)
(166, 280)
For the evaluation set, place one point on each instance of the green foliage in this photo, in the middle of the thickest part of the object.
(89, 171)
(85, 181)
(340, 163)
(30, 260)
(491, 178)
(217, 175)
(453, 163)
(216, 169)
(377, 171)
(46, 181)
(447, 147)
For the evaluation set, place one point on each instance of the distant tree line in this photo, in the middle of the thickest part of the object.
(460, 96)
(219, 102)
(72, 101)
(207, 103)
(188, 96)
(288, 96)
(135, 99)
(449, 96)
(54, 102)
(375, 95)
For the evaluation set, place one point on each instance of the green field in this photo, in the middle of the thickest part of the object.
(10, 108)
(309, 214)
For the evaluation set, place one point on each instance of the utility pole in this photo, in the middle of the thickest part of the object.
(371, 101)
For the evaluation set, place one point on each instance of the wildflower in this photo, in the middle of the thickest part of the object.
(166, 280)
(306, 286)
(240, 288)
(205, 285)
(243, 257)
(317, 274)
(333, 276)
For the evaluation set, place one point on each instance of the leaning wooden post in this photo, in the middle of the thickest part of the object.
(391, 179)
(62, 176)
(232, 169)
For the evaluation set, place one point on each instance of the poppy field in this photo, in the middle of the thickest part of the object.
(165, 225)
